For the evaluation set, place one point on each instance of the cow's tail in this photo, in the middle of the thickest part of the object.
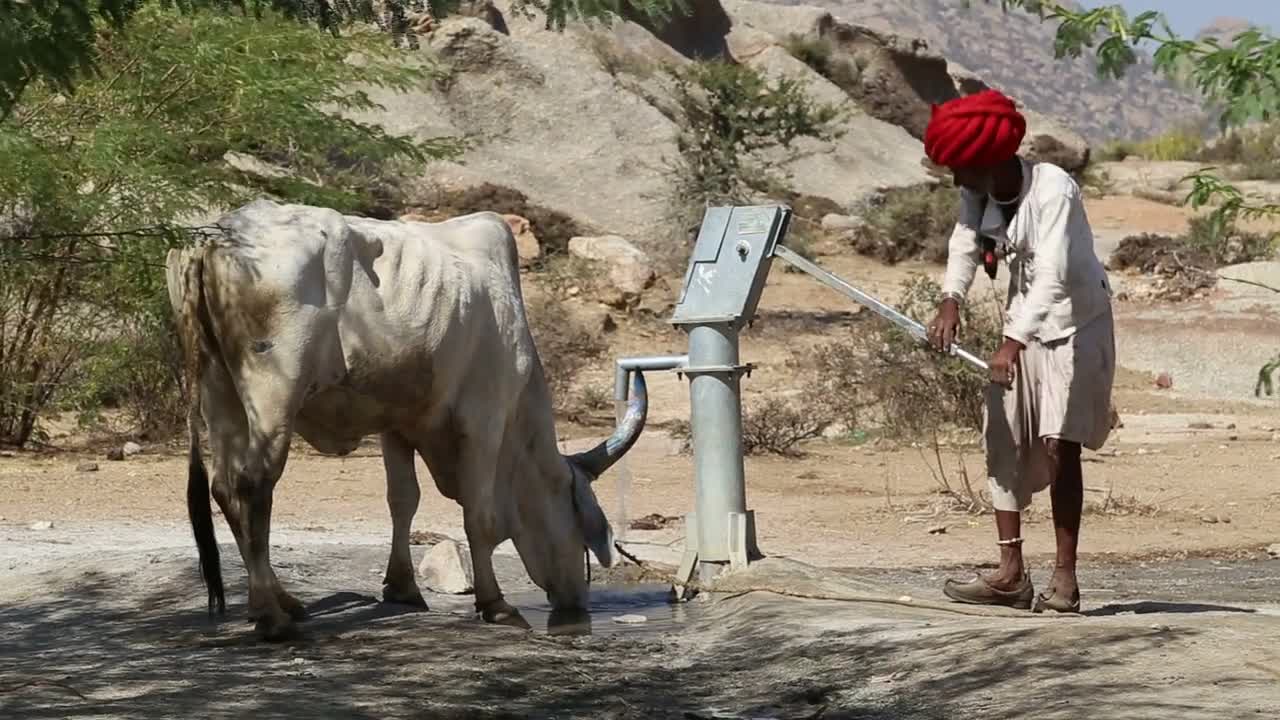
(198, 342)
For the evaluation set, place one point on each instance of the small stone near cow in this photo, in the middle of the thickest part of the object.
(446, 568)
(116, 454)
(7, 454)
(629, 268)
(938, 530)
(1164, 381)
(653, 521)
(87, 467)
(41, 525)
(630, 619)
(1274, 551)
(130, 449)
(1200, 425)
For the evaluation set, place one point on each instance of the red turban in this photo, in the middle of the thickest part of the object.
(975, 131)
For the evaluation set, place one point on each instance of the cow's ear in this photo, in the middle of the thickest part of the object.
(591, 518)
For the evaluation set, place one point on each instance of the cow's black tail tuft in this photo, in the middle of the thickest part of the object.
(201, 515)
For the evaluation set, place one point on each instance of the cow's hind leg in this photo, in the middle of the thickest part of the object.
(403, 494)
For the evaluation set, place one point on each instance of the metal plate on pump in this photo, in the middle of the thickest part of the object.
(729, 263)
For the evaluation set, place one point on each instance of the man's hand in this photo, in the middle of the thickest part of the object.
(942, 331)
(1004, 361)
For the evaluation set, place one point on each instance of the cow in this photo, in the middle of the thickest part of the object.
(301, 319)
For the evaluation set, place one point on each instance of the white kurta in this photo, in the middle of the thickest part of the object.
(1059, 307)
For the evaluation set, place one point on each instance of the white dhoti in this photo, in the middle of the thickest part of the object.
(1062, 390)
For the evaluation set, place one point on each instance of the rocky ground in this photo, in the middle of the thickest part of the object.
(101, 612)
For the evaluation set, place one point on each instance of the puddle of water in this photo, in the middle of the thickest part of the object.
(650, 601)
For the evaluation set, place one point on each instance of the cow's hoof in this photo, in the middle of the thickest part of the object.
(411, 597)
(500, 613)
(296, 610)
(276, 629)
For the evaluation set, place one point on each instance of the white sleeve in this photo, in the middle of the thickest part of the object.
(964, 253)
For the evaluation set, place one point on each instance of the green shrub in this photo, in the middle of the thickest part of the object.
(820, 54)
(98, 184)
(734, 126)
(909, 223)
(881, 375)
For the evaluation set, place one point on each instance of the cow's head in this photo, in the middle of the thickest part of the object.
(559, 525)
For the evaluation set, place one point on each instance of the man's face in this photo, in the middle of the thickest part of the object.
(977, 180)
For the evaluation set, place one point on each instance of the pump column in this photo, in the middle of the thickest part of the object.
(727, 272)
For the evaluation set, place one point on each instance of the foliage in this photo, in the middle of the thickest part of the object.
(882, 372)
(565, 346)
(54, 40)
(772, 426)
(777, 427)
(1186, 263)
(98, 184)
(906, 223)
(733, 121)
(819, 54)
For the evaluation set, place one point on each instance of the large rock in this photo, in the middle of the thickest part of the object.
(894, 78)
(576, 142)
(446, 568)
(870, 154)
(630, 270)
(527, 245)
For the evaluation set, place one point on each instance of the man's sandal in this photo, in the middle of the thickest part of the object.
(980, 592)
(1057, 603)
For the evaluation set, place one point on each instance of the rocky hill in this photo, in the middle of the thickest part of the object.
(574, 129)
(1014, 53)
(1224, 29)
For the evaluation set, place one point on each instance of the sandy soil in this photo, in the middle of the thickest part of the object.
(106, 602)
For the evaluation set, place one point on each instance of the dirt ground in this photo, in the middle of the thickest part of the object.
(101, 612)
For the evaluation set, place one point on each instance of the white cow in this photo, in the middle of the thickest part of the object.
(337, 327)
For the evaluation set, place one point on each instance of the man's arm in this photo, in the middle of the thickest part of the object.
(964, 253)
(1051, 252)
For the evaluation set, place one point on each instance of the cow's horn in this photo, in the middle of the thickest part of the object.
(601, 457)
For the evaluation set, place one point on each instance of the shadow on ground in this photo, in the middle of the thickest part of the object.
(133, 640)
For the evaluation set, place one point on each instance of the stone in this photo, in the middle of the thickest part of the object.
(938, 530)
(630, 270)
(130, 449)
(527, 245)
(87, 467)
(1274, 550)
(446, 568)
(834, 222)
(41, 525)
(630, 619)
(116, 454)
(1164, 381)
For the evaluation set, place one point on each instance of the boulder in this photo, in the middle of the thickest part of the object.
(527, 245)
(629, 269)
(446, 568)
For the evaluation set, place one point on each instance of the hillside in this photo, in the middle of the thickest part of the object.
(1014, 53)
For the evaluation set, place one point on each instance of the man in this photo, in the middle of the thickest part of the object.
(1051, 379)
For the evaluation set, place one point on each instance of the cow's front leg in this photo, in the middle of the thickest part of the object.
(478, 475)
(489, 601)
(403, 494)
